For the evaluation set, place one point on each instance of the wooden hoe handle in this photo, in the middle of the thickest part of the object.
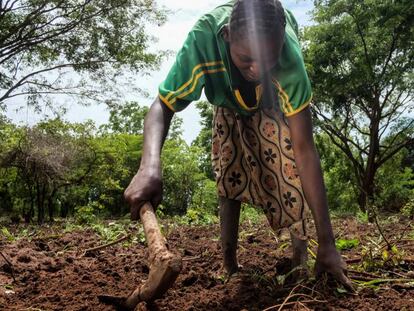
(164, 266)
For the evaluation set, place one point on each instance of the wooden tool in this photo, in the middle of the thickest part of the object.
(164, 266)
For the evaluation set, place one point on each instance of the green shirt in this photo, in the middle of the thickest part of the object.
(204, 63)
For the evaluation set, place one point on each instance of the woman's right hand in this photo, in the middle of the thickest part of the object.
(145, 186)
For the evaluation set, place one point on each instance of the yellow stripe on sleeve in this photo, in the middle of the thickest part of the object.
(305, 105)
(287, 106)
(196, 78)
(193, 77)
(166, 102)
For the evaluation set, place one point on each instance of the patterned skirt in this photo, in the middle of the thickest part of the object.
(253, 162)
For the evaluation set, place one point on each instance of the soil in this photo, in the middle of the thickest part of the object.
(52, 273)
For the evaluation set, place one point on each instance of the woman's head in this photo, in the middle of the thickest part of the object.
(256, 35)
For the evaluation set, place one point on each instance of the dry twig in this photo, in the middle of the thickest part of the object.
(97, 248)
(309, 299)
(353, 260)
(366, 274)
(10, 265)
(285, 304)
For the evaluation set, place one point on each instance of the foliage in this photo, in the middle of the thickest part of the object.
(205, 197)
(344, 244)
(408, 208)
(360, 57)
(181, 176)
(117, 162)
(204, 138)
(69, 169)
(43, 43)
(340, 185)
(85, 214)
(250, 214)
(126, 118)
(6, 233)
(114, 230)
(44, 160)
(376, 256)
(362, 217)
(394, 184)
(393, 181)
(196, 217)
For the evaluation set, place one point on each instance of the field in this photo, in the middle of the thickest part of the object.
(51, 270)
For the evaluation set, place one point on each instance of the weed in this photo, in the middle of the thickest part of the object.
(250, 214)
(362, 217)
(344, 244)
(195, 217)
(376, 255)
(71, 226)
(408, 208)
(6, 233)
(258, 276)
(109, 232)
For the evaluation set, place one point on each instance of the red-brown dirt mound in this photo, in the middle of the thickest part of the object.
(52, 273)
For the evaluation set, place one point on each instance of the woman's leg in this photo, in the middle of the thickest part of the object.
(229, 227)
(300, 251)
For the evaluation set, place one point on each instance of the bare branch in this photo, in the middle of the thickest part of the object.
(366, 54)
(22, 80)
(24, 43)
(391, 119)
(332, 132)
(397, 148)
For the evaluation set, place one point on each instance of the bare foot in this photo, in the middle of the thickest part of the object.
(300, 269)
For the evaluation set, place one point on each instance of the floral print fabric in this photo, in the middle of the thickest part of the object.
(253, 162)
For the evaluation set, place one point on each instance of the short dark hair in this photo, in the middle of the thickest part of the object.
(267, 16)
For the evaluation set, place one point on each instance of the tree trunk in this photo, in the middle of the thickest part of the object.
(50, 208)
(366, 197)
(50, 204)
(29, 214)
(366, 194)
(41, 205)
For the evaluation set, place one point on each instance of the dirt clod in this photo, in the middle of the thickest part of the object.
(53, 274)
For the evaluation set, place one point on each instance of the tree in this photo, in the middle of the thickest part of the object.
(182, 176)
(340, 184)
(395, 183)
(204, 138)
(360, 57)
(50, 156)
(9, 134)
(126, 118)
(78, 48)
(118, 156)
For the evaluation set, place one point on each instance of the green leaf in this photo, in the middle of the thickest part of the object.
(344, 244)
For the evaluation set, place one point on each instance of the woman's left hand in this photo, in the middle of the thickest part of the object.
(328, 260)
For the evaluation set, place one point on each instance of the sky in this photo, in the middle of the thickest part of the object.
(170, 36)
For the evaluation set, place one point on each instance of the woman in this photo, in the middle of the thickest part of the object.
(246, 57)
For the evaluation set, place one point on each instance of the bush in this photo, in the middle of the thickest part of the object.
(205, 197)
(408, 208)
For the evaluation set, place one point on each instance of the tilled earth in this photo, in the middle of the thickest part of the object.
(52, 273)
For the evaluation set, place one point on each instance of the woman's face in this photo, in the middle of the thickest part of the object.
(254, 56)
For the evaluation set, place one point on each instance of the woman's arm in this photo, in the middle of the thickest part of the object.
(310, 172)
(146, 185)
